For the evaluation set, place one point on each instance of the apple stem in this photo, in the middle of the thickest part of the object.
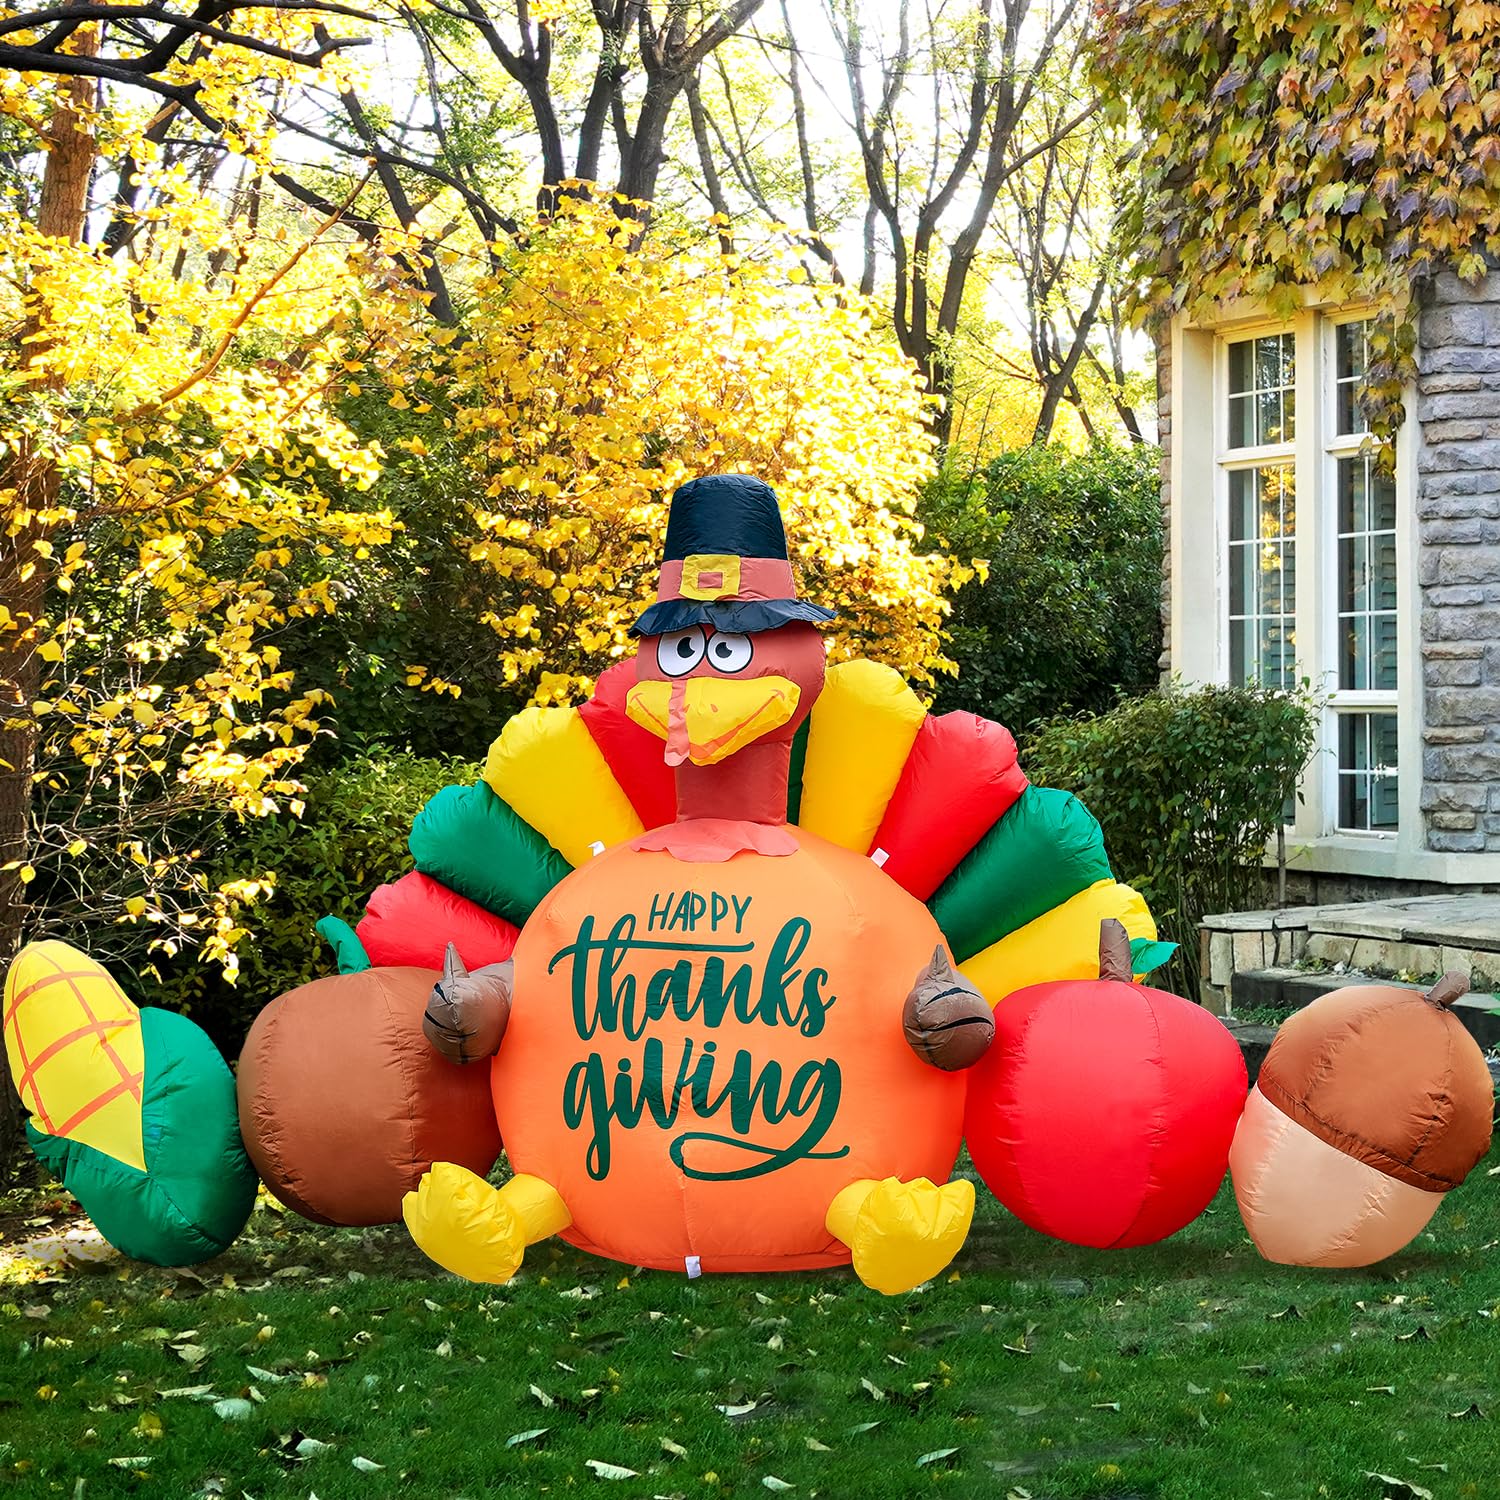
(1114, 951)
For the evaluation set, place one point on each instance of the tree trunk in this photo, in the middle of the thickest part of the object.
(32, 482)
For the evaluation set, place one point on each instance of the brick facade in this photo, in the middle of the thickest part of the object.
(1458, 514)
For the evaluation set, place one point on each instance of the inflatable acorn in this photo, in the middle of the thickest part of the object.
(132, 1109)
(1372, 1103)
(1104, 1114)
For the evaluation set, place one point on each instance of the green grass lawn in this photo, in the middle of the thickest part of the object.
(1188, 1371)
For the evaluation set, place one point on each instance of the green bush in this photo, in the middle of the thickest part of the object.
(350, 838)
(1069, 617)
(1189, 786)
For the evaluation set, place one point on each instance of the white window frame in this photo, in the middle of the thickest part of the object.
(1199, 637)
(1339, 701)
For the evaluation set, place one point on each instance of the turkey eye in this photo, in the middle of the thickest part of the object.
(680, 651)
(730, 653)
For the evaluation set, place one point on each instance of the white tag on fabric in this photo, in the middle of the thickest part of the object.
(878, 858)
(597, 848)
(694, 1267)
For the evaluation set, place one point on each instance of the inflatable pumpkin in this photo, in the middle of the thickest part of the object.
(1104, 1113)
(1373, 1102)
(133, 1110)
(344, 1105)
(736, 1037)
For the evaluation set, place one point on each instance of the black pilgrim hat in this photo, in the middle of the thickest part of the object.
(725, 562)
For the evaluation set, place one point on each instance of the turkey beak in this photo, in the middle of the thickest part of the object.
(706, 719)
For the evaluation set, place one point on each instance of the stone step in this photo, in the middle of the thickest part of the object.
(1291, 989)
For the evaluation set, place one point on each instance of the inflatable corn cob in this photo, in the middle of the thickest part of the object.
(133, 1110)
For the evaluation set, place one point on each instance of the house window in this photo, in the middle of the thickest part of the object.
(1345, 594)
(1363, 701)
(1262, 511)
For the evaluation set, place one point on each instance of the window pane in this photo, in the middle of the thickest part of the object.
(1239, 366)
(1367, 772)
(1262, 576)
(1241, 427)
(1351, 359)
(1367, 576)
(1262, 374)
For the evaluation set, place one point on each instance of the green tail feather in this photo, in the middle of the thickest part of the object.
(475, 844)
(794, 779)
(1046, 847)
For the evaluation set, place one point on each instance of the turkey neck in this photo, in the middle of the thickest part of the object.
(750, 785)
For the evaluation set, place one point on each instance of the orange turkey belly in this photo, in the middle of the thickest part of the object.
(701, 1056)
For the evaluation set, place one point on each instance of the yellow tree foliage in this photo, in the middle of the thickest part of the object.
(598, 376)
(172, 474)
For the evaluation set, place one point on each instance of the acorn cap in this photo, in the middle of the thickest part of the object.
(1388, 1076)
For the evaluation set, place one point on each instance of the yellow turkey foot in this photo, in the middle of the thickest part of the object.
(477, 1231)
(901, 1233)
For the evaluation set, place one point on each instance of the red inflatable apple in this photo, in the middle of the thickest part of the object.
(1104, 1112)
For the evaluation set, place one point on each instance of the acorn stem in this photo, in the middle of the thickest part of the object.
(1453, 984)
(1114, 951)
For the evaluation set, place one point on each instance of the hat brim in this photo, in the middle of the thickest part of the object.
(737, 616)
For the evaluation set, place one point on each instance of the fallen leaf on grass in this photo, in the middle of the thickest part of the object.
(270, 1376)
(541, 1395)
(233, 1409)
(366, 1465)
(771, 1482)
(1290, 1312)
(873, 1390)
(194, 1356)
(814, 1446)
(1106, 1405)
(743, 1409)
(1398, 1489)
(936, 1456)
(675, 1449)
(860, 1427)
(529, 1436)
(189, 1392)
(1419, 1334)
(1470, 1413)
(311, 1447)
(603, 1470)
(1380, 1390)
(130, 1463)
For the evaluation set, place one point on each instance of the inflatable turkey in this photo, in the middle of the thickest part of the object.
(732, 1039)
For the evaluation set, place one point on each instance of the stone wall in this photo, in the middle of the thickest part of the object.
(1164, 438)
(1458, 513)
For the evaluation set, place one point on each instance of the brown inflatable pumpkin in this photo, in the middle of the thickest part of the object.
(343, 1104)
(1372, 1103)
